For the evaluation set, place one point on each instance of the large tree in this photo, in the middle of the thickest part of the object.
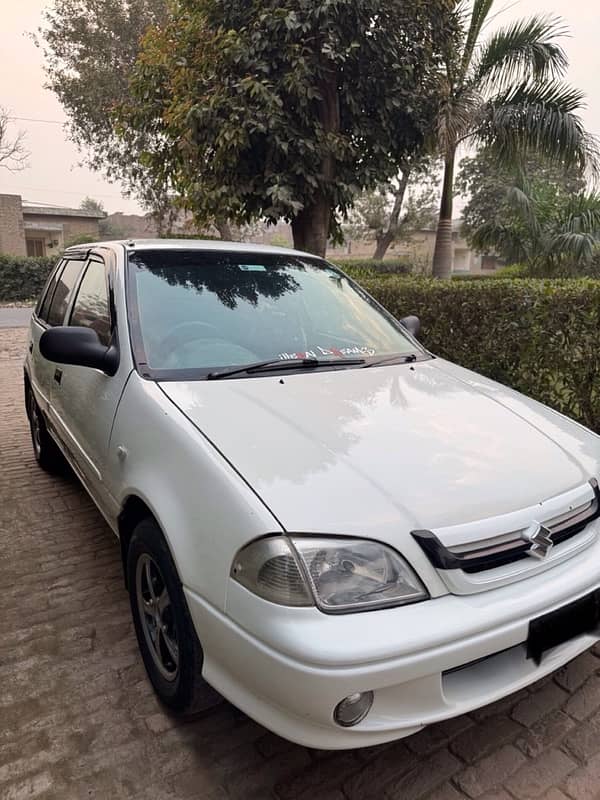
(392, 212)
(286, 110)
(505, 93)
(414, 193)
(90, 47)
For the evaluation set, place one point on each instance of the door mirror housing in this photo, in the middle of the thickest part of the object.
(412, 324)
(79, 346)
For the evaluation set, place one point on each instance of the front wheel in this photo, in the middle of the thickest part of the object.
(170, 648)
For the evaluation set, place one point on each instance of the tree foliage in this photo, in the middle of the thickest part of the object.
(506, 93)
(91, 204)
(537, 213)
(285, 110)
(392, 211)
(90, 47)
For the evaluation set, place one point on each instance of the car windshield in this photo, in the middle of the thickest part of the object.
(207, 310)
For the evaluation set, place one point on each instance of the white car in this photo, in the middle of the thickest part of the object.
(346, 536)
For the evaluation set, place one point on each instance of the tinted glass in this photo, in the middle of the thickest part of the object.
(63, 292)
(203, 310)
(44, 304)
(91, 307)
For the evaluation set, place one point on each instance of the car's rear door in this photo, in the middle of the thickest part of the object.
(84, 400)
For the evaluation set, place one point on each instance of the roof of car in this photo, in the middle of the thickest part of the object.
(190, 244)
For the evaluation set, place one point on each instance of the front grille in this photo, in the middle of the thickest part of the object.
(507, 548)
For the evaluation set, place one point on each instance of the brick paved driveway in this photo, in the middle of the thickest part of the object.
(78, 719)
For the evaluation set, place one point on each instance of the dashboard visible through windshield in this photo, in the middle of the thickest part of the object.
(197, 311)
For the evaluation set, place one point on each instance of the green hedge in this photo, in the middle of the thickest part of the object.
(539, 336)
(22, 279)
(364, 267)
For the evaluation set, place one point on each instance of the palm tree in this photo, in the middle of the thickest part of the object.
(552, 233)
(507, 94)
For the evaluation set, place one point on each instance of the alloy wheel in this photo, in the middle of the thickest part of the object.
(157, 617)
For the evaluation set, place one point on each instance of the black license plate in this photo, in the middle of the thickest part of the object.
(579, 617)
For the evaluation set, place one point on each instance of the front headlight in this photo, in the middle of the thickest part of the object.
(341, 575)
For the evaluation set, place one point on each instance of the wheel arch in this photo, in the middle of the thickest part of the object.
(133, 511)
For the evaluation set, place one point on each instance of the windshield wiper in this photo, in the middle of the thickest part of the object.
(278, 363)
(402, 358)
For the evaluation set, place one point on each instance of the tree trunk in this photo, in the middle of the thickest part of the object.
(388, 236)
(310, 227)
(225, 230)
(443, 255)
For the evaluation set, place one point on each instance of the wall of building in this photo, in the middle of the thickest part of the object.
(73, 227)
(12, 235)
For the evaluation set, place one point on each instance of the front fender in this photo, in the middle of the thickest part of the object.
(204, 507)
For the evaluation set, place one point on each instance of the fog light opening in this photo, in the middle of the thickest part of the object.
(353, 709)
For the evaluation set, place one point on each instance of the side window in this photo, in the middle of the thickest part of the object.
(63, 291)
(46, 298)
(91, 308)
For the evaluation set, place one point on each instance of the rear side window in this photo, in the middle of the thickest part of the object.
(91, 308)
(46, 298)
(63, 291)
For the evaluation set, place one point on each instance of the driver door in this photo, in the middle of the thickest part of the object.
(85, 400)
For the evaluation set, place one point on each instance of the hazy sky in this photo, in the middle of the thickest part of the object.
(54, 175)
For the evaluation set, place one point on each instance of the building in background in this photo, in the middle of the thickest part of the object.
(28, 229)
(421, 244)
(417, 250)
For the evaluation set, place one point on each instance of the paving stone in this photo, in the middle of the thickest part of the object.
(502, 794)
(483, 739)
(491, 772)
(538, 704)
(584, 783)
(321, 775)
(34, 786)
(584, 740)
(575, 674)
(446, 792)
(535, 778)
(271, 745)
(546, 732)
(586, 700)
(380, 771)
(255, 782)
(424, 778)
(555, 794)
(435, 736)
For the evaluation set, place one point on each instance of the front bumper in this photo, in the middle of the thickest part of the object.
(288, 668)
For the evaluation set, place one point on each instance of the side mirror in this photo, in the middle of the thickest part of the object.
(412, 325)
(79, 346)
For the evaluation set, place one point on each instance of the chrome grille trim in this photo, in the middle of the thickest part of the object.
(503, 549)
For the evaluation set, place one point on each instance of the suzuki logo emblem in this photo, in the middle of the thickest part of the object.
(541, 541)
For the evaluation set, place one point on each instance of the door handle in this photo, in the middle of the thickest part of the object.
(31, 347)
(58, 375)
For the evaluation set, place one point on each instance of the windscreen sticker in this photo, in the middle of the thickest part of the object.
(339, 352)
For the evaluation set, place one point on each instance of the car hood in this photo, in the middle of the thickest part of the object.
(359, 450)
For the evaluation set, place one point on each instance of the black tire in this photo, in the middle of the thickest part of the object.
(183, 690)
(46, 451)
